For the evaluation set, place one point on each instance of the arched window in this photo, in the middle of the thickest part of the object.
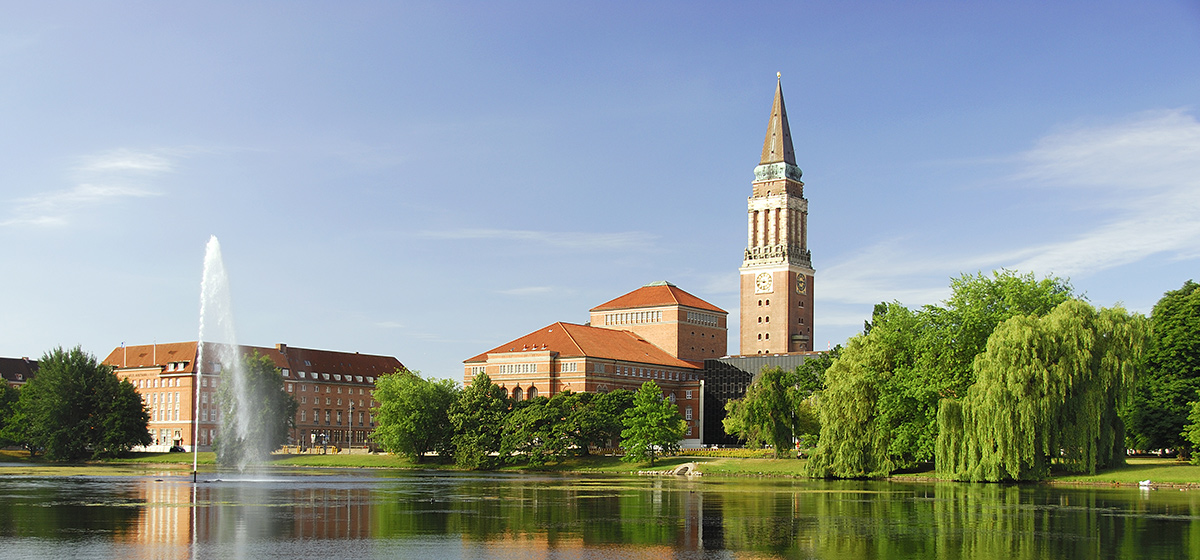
(516, 393)
(532, 394)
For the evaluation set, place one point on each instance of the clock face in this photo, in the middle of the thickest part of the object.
(762, 283)
(801, 284)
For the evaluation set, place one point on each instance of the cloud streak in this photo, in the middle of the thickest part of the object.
(1142, 174)
(101, 178)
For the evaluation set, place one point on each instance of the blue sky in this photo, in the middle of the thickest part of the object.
(431, 180)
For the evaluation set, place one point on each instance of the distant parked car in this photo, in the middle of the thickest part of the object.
(177, 449)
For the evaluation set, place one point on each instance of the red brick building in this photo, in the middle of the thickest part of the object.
(657, 332)
(333, 390)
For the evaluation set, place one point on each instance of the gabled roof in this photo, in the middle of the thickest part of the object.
(777, 147)
(657, 294)
(578, 341)
(299, 359)
(17, 370)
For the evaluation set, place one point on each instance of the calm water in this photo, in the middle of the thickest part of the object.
(376, 514)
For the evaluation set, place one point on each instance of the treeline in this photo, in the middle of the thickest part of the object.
(481, 427)
(75, 408)
(1009, 378)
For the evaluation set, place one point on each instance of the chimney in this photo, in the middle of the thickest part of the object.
(281, 347)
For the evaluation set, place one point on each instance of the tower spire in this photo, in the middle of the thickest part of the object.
(777, 148)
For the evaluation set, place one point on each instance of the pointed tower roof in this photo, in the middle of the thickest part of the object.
(777, 148)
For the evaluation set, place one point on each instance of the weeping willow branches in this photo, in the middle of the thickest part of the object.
(1046, 393)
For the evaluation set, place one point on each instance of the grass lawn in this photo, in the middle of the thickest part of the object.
(1158, 471)
(1166, 471)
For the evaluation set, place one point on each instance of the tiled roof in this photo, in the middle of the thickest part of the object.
(297, 359)
(17, 370)
(778, 145)
(576, 341)
(656, 294)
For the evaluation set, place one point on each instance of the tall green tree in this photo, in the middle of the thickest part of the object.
(1191, 433)
(539, 431)
(1047, 392)
(8, 411)
(267, 412)
(478, 420)
(879, 408)
(600, 419)
(652, 427)
(76, 408)
(772, 411)
(413, 416)
(1158, 411)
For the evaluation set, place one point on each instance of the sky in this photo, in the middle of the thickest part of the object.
(431, 180)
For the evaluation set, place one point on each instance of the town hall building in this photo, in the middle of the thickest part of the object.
(663, 333)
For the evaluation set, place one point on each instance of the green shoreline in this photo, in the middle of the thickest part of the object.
(1162, 473)
(1166, 473)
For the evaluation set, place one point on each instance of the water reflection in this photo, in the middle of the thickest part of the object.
(467, 516)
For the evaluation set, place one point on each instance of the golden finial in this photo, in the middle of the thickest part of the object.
(779, 75)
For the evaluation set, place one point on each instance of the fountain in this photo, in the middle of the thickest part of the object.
(218, 336)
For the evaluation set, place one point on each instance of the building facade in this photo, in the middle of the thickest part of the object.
(333, 390)
(654, 333)
(777, 272)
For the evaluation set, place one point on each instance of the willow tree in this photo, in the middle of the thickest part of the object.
(857, 423)
(1047, 392)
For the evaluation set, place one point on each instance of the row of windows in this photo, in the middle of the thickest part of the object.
(570, 367)
(329, 401)
(652, 373)
(633, 317)
(316, 416)
(532, 393)
(328, 389)
(518, 368)
(158, 383)
(165, 414)
(153, 398)
(327, 376)
(702, 318)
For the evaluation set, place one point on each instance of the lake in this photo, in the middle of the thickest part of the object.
(433, 515)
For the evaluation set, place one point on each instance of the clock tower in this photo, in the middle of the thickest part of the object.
(777, 272)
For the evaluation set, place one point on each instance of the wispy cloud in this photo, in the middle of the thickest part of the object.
(101, 178)
(123, 160)
(579, 241)
(1143, 175)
